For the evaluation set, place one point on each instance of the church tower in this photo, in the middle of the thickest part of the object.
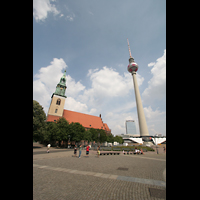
(58, 98)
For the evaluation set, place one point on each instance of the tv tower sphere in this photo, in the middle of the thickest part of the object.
(133, 66)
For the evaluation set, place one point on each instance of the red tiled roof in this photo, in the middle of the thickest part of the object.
(106, 127)
(88, 121)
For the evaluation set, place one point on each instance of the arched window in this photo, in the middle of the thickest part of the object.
(58, 102)
(56, 110)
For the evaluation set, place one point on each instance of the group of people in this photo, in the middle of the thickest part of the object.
(87, 151)
(80, 150)
(137, 151)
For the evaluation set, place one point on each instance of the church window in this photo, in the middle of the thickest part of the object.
(56, 110)
(58, 102)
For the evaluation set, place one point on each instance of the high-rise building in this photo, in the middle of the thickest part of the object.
(130, 127)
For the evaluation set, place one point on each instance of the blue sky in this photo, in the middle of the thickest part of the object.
(88, 38)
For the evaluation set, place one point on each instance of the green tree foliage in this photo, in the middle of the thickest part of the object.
(103, 136)
(76, 131)
(51, 133)
(62, 130)
(88, 136)
(94, 134)
(39, 117)
(118, 139)
(110, 138)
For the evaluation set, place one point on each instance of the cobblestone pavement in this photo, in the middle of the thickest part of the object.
(61, 176)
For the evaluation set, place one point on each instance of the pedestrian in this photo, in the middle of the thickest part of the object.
(75, 149)
(80, 150)
(141, 151)
(87, 150)
(48, 148)
(164, 149)
(98, 151)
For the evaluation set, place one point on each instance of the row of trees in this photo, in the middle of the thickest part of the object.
(61, 130)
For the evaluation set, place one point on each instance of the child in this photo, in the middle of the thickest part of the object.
(87, 150)
(98, 151)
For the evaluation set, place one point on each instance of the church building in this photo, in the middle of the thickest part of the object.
(56, 110)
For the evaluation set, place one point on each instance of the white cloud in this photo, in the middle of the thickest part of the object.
(151, 64)
(51, 74)
(108, 82)
(45, 81)
(41, 8)
(152, 115)
(72, 104)
(70, 17)
(73, 87)
(156, 89)
(156, 121)
(108, 86)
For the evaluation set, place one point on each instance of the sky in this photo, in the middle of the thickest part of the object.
(88, 39)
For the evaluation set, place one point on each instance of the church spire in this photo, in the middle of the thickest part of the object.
(61, 86)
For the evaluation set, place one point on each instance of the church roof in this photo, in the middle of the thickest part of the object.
(106, 127)
(88, 121)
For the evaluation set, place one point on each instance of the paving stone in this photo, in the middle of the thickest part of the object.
(98, 174)
(113, 177)
(66, 177)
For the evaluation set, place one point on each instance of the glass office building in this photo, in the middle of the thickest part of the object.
(130, 127)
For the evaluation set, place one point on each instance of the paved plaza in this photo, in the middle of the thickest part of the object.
(58, 175)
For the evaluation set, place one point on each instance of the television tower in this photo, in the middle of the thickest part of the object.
(132, 68)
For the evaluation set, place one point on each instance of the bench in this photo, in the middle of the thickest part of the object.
(110, 153)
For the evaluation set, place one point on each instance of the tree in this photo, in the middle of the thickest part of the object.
(63, 130)
(110, 138)
(51, 133)
(39, 118)
(76, 131)
(103, 136)
(87, 136)
(94, 134)
(118, 139)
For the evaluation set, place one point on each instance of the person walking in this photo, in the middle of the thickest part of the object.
(80, 150)
(141, 151)
(87, 150)
(164, 149)
(75, 149)
(48, 148)
(98, 151)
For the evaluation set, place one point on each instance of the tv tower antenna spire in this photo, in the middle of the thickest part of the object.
(129, 49)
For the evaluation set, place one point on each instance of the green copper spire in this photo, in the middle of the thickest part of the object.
(61, 86)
